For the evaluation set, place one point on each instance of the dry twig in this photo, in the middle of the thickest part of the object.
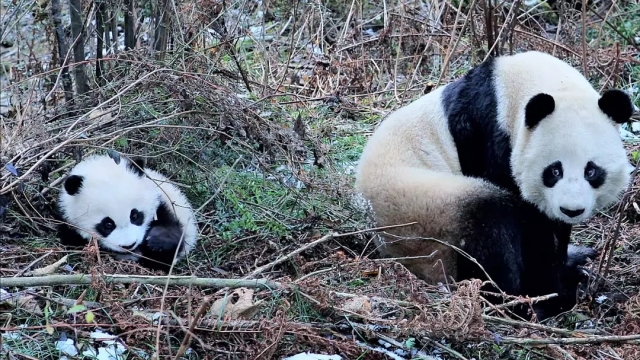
(83, 279)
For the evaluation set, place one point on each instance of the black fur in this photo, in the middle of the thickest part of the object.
(471, 105)
(522, 249)
(539, 107)
(114, 155)
(617, 105)
(490, 229)
(162, 241)
(105, 227)
(552, 174)
(136, 165)
(73, 184)
(66, 233)
(598, 177)
(136, 217)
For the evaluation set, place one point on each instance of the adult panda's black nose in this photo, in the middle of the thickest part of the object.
(571, 213)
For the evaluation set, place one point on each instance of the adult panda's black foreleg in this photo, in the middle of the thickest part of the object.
(490, 231)
(519, 248)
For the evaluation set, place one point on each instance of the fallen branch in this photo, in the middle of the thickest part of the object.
(521, 300)
(535, 326)
(83, 279)
(591, 340)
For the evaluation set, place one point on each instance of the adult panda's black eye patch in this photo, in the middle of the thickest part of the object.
(594, 174)
(105, 227)
(136, 217)
(552, 174)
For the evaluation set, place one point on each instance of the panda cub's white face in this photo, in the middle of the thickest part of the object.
(573, 163)
(110, 201)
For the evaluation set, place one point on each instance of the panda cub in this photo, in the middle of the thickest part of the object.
(500, 164)
(133, 211)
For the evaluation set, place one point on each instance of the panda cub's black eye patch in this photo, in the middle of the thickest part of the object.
(552, 174)
(594, 174)
(136, 217)
(105, 227)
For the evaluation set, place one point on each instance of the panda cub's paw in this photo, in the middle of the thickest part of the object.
(578, 255)
(160, 246)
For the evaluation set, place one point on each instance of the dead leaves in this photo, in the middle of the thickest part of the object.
(20, 301)
(238, 304)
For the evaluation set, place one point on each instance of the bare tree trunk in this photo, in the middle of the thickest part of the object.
(107, 29)
(75, 8)
(62, 50)
(100, 34)
(161, 34)
(114, 29)
(129, 25)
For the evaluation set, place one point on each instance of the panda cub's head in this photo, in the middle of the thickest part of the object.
(570, 161)
(110, 198)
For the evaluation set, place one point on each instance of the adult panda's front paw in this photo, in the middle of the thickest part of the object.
(160, 246)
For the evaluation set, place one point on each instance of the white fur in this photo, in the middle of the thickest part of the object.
(110, 189)
(575, 133)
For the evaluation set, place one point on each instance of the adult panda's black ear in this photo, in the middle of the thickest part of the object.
(538, 107)
(617, 105)
(136, 165)
(73, 184)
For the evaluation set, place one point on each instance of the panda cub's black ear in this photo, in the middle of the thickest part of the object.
(617, 105)
(538, 107)
(114, 155)
(136, 165)
(73, 184)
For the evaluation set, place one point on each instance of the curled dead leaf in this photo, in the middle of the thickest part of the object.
(358, 305)
(238, 304)
(49, 269)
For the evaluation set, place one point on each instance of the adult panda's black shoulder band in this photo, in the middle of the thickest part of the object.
(538, 107)
(617, 105)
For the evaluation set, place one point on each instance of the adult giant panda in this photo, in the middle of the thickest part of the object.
(132, 210)
(500, 163)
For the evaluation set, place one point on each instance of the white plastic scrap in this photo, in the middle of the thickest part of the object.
(309, 356)
(67, 347)
(113, 350)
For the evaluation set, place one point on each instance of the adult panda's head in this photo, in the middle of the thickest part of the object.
(570, 160)
(110, 198)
